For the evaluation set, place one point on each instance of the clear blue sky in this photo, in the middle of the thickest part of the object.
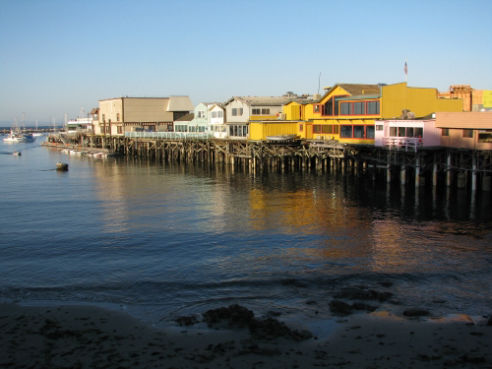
(57, 56)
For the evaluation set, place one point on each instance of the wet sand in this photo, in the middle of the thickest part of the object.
(90, 337)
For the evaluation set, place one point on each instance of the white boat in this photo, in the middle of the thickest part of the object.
(16, 137)
(282, 138)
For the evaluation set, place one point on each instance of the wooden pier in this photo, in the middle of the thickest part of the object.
(467, 169)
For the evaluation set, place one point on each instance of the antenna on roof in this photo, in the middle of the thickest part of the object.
(319, 82)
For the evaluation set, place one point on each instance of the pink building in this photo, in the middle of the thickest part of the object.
(408, 134)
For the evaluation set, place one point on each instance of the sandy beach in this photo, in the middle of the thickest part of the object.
(90, 337)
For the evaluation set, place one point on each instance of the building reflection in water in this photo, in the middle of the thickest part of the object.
(113, 195)
(304, 220)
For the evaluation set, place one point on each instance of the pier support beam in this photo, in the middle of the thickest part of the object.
(403, 175)
(474, 172)
(448, 170)
(434, 174)
(388, 168)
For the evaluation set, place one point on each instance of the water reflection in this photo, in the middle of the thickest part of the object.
(113, 196)
(200, 199)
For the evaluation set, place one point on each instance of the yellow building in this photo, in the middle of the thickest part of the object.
(262, 130)
(347, 112)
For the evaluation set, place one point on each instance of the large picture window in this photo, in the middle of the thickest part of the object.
(345, 108)
(373, 107)
(359, 108)
(358, 131)
(345, 131)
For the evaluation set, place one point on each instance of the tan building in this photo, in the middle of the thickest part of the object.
(473, 100)
(129, 114)
(466, 130)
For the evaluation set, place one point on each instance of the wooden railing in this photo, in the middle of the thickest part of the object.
(403, 143)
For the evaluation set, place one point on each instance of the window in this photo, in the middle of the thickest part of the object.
(316, 128)
(316, 108)
(119, 129)
(326, 128)
(379, 127)
(117, 117)
(468, 133)
(256, 111)
(329, 107)
(370, 132)
(345, 108)
(358, 131)
(104, 118)
(235, 112)
(359, 108)
(346, 131)
(485, 135)
(265, 111)
(445, 131)
(373, 107)
(301, 127)
(200, 114)
(392, 131)
(418, 132)
(401, 131)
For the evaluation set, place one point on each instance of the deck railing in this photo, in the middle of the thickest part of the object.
(403, 143)
(171, 135)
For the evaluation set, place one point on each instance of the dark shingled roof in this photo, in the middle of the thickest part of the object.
(186, 118)
(360, 89)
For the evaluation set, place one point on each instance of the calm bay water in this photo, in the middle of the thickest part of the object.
(161, 241)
